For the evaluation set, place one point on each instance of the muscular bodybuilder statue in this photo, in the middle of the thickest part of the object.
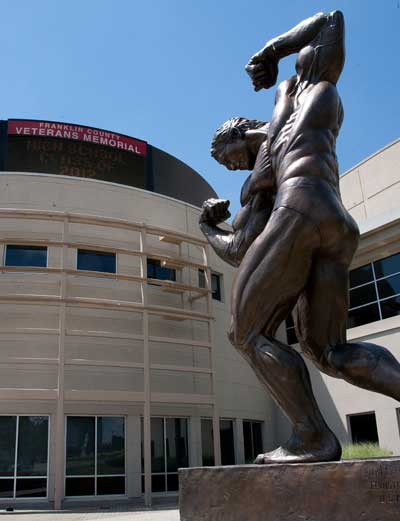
(293, 240)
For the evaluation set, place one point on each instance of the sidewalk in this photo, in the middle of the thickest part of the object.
(90, 515)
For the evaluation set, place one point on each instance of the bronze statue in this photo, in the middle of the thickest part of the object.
(293, 240)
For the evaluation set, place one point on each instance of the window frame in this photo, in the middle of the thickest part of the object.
(95, 475)
(157, 261)
(165, 473)
(252, 422)
(219, 277)
(364, 413)
(27, 246)
(15, 476)
(98, 252)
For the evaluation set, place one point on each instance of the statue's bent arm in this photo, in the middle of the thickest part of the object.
(249, 222)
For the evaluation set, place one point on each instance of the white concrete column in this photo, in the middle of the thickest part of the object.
(238, 441)
(195, 442)
(387, 423)
(133, 456)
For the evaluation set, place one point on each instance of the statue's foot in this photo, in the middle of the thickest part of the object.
(327, 448)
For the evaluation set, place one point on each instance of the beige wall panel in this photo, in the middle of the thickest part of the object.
(183, 411)
(89, 378)
(98, 409)
(97, 319)
(54, 256)
(28, 315)
(184, 329)
(350, 187)
(157, 296)
(384, 201)
(103, 349)
(103, 236)
(381, 170)
(29, 229)
(154, 245)
(179, 382)
(27, 407)
(28, 346)
(30, 283)
(128, 264)
(103, 288)
(181, 355)
(32, 376)
(2, 253)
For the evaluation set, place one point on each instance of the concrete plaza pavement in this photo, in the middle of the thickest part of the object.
(100, 515)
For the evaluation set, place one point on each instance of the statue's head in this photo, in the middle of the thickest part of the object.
(235, 143)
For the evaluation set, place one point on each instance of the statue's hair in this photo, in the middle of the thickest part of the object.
(234, 128)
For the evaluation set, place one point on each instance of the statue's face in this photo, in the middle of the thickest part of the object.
(237, 156)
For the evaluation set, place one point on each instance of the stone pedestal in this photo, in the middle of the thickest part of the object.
(358, 490)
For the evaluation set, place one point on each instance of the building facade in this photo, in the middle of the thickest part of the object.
(115, 368)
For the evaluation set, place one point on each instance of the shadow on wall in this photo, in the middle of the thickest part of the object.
(328, 407)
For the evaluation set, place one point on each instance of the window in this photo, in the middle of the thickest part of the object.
(363, 428)
(216, 286)
(202, 279)
(227, 442)
(252, 437)
(156, 271)
(169, 451)
(24, 446)
(91, 260)
(375, 291)
(95, 456)
(26, 256)
(207, 442)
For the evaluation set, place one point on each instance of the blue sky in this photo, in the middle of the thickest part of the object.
(170, 71)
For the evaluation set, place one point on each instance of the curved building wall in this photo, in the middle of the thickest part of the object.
(83, 343)
(91, 153)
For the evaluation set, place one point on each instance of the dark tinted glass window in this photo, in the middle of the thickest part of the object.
(8, 429)
(79, 487)
(111, 485)
(202, 279)
(389, 287)
(390, 307)
(31, 488)
(31, 433)
(80, 445)
(227, 442)
(216, 286)
(363, 428)
(252, 437)
(156, 271)
(387, 266)
(364, 315)
(207, 442)
(157, 445)
(110, 445)
(363, 295)
(90, 260)
(32, 446)
(361, 275)
(176, 444)
(29, 256)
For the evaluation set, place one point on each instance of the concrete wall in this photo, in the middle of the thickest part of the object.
(75, 343)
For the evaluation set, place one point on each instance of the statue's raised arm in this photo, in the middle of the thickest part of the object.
(319, 40)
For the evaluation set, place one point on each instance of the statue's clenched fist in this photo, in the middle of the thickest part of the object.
(215, 211)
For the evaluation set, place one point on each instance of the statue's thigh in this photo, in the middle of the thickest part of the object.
(321, 311)
(272, 274)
